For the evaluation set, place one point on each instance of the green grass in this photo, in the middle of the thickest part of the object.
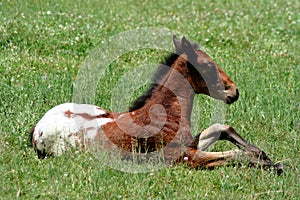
(42, 46)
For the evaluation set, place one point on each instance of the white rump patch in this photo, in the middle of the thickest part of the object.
(68, 125)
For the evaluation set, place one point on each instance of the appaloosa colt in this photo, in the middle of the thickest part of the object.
(159, 120)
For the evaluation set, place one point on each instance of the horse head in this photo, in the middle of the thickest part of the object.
(205, 76)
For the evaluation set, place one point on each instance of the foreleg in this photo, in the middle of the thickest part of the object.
(224, 132)
(196, 158)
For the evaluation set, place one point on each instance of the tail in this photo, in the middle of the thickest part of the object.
(31, 143)
(30, 138)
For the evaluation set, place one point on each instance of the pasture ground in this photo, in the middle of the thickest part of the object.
(43, 43)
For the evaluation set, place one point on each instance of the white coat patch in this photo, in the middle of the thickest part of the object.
(66, 124)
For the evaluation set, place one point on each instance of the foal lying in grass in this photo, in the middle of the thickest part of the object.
(158, 121)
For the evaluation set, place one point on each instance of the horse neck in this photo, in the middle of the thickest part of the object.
(174, 94)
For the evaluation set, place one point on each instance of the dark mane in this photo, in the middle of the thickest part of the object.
(157, 77)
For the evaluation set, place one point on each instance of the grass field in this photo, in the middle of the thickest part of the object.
(43, 44)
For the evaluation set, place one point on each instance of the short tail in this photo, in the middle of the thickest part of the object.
(30, 138)
(31, 143)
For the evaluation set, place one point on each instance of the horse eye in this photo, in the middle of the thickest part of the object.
(211, 67)
(227, 87)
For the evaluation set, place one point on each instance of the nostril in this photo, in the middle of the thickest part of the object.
(233, 97)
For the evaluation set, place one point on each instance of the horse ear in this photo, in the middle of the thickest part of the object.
(188, 49)
(177, 44)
